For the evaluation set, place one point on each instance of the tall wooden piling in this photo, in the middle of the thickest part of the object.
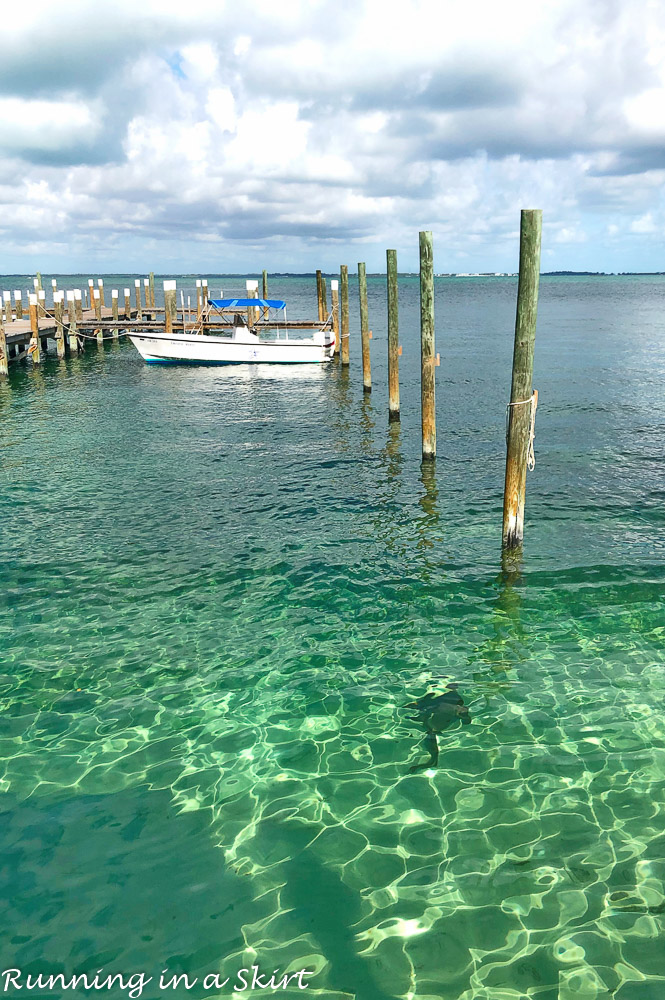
(91, 296)
(393, 335)
(170, 305)
(97, 299)
(334, 293)
(100, 287)
(151, 283)
(344, 288)
(128, 304)
(7, 302)
(264, 285)
(38, 282)
(78, 304)
(324, 298)
(58, 312)
(146, 293)
(319, 296)
(71, 316)
(252, 290)
(34, 350)
(427, 358)
(204, 292)
(364, 327)
(18, 304)
(114, 312)
(4, 355)
(137, 293)
(199, 299)
(521, 409)
(41, 303)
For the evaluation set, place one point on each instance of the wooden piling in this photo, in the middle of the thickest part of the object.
(151, 282)
(98, 314)
(204, 292)
(34, 349)
(71, 316)
(137, 291)
(199, 299)
(170, 305)
(7, 301)
(78, 304)
(4, 355)
(54, 287)
(38, 282)
(100, 286)
(146, 293)
(114, 312)
(364, 327)
(344, 287)
(264, 285)
(319, 295)
(41, 303)
(393, 335)
(324, 299)
(427, 358)
(522, 403)
(252, 289)
(334, 292)
(91, 297)
(58, 312)
(18, 304)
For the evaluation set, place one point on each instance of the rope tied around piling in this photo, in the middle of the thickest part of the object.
(533, 400)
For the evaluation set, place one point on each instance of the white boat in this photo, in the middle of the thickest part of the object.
(241, 345)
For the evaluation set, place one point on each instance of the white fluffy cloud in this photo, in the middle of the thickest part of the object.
(189, 136)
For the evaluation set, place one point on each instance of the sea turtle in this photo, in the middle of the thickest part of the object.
(436, 712)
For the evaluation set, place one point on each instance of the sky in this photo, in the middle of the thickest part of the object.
(208, 137)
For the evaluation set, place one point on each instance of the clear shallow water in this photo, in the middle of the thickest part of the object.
(222, 587)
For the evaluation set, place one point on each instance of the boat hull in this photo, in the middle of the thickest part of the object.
(205, 350)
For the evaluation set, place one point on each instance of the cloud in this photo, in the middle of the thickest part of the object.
(305, 127)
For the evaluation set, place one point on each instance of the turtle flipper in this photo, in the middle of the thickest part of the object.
(432, 747)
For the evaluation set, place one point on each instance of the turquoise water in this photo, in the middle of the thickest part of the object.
(222, 588)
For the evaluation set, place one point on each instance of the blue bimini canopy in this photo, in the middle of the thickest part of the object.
(246, 303)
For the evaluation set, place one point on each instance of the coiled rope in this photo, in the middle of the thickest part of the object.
(533, 400)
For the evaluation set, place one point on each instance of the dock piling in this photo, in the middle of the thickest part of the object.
(128, 304)
(393, 335)
(97, 299)
(34, 350)
(100, 286)
(151, 281)
(199, 299)
(71, 317)
(137, 291)
(146, 293)
(264, 288)
(38, 282)
(7, 301)
(364, 327)
(204, 292)
(334, 293)
(170, 305)
(521, 409)
(427, 356)
(344, 288)
(41, 303)
(114, 312)
(18, 304)
(58, 312)
(4, 357)
(319, 295)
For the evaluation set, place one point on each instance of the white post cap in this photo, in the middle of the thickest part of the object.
(54, 283)
(334, 285)
(146, 281)
(114, 293)
(91, 281)
(70, 296)
(137, 283)
(251, 285)
(33, 299)
(18, 294)
(35, 282)
(96, 293)
(126, 292)
(204, 281)
(41, 293)
(77, 293)
(169, 286)
(100, 282)
(7, 296)
(198, 282)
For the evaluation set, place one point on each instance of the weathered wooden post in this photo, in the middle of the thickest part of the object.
(4, 355)
(41, 303)
(97, 299)
(344, 283)
(393, 335)
(91, 296)
(199, 299)
(114, 312)
(523, 401)
(364, 327)
(38, 281)
(146, 293)
(7, 300)
(252, 289)
(324, 298)
(100, 286)
(35, 348)
(58, 312)
(137, 294)
(204, 292)
(18, 304)
(78, 305)
(71, 316)
(151, 280)
(334, 286)
(264, 285)
(319, 296)
(427, 358)
(170, 305)
(128, 304)
(54, 287)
